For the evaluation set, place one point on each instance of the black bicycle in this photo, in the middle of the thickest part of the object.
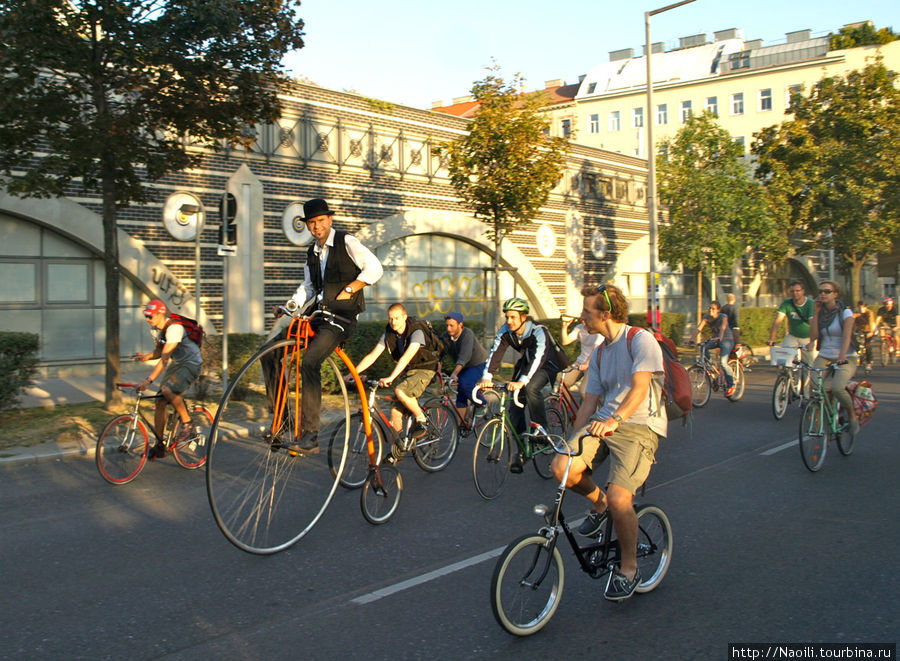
(527, 584)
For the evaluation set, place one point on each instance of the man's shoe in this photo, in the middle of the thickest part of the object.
(730, 391)
(393, 457)
(185, 432)
(417, 430)
(158, 451)
(308, 444)
(619, 587)
(592, 524)
(516, 466)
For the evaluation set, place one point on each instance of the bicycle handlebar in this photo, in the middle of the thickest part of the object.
(292, 308)
(499, 386)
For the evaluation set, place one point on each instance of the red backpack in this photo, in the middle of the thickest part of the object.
(676, 391)
(192, 330)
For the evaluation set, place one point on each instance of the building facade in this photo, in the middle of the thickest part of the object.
(376, 164)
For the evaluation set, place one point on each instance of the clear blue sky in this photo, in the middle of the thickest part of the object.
(418, 51)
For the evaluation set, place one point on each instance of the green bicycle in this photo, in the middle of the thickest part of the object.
(493, 450)
(823, 419)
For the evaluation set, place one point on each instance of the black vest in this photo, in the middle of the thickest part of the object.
(340, 271)
(426, 357)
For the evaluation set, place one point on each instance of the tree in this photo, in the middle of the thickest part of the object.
(834, 171)
(506, 165)
(103, 95)
(860, 34)
(716, 211)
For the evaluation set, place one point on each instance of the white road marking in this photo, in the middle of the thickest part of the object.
(779, 448)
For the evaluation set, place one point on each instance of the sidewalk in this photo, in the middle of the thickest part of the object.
(58, 391)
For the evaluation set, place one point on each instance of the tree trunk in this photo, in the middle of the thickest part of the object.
(699, 299)
(856, 264)
(111, 261)
(498, 303)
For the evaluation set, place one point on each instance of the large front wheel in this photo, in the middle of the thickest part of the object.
(654, 546)
(700, 386)
(527, 585)
(435, 452)
(814, 434)
(263, 497)
(122, 449)
(491, 459)
(781, 396)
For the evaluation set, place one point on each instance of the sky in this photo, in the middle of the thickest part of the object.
(415, 52)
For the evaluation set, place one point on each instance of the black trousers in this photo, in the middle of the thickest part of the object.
(534, 398)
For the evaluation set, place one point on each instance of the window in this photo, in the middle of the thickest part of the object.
(765, 100)
(637, 118)
(614, 121)
(739, 60)
(792, 91)
(566, 128)
(591, 88)
(740, 140)
(737, 103)
(712, 104)
(685, 111)
(594, 124)
(662, 115)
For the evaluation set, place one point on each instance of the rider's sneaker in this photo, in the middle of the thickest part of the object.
(730, 391)
(185, 432)
(593, 524)
(158, 451)
(417, 430)
(619, 587)
(394, 457)
(517, 466)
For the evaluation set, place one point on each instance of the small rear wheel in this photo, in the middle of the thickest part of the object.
(378, 503)
(121, 449)
(491, 459)
(527, 585)
(356, 466)
(701, 389)
(191, 454)
(781, 396)
(654, 546)
(814, 434)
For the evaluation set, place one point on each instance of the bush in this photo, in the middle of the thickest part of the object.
(18, 364)
(755, 325)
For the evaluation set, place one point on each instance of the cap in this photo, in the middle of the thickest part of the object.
(153, 307)
(455, 316)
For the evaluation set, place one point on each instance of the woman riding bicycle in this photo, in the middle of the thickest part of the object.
(721, 338)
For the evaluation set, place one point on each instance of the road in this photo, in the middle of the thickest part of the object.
(764, 552)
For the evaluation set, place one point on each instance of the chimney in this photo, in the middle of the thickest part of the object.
(731, 33)
(753, 45)
(624, 54)
(692, 40)
(797, 36)
(558, 82)
(463, 99)
(658, 47)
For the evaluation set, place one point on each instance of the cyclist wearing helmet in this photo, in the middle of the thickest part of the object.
(538, 365)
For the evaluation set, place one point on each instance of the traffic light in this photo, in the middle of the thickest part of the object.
(228, 211)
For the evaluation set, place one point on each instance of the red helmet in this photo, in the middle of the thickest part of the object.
(887, 300)
(153, 307)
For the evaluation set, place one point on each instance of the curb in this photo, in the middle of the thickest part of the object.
(42, 453)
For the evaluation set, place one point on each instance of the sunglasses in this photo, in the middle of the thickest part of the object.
(601, 289)
(826, 291)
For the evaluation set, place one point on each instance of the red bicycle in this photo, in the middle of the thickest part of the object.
(888, 346)
(563, 401)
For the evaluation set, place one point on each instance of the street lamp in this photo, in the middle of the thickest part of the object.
(194, 210)
(653, 285)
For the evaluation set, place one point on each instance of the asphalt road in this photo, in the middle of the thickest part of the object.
(764, 552)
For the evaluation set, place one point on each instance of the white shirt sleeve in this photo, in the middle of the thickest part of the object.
(370, 268)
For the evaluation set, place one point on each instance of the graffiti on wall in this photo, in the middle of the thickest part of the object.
(170, 288)
(448, 293)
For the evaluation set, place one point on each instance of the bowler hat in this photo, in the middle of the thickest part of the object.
(316, 207)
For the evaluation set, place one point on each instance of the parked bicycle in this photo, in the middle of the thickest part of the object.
(527, 584)
(707, 375)
(498, 440)
(432, 453)
(562, 399)
(264, 497)
(823, 419)
(791, 384)
(122, 446)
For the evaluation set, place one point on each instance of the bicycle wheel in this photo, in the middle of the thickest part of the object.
(542, 452)
(781, 396)
(191, 454)
(814, 434)
(435, 452)
(527, 585)
(488, 411)
(747, 357)
(701, 389)
(845, 441)
(740, 379)
(491, 459)
(654, 546)
(121, 451)
(264, 499)
(379, 504)
(356, 466)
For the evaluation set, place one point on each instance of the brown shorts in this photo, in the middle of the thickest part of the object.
(414, 382)
(632, 450)
(180, 377)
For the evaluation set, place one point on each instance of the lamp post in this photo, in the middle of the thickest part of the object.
(653, 285)
(195, 210)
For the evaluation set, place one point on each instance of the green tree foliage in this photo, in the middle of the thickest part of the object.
(716, 210)
(860, 34)
(506, 165)
(103, 95)
(833, 171)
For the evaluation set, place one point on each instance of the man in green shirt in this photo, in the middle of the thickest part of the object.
(798, 310)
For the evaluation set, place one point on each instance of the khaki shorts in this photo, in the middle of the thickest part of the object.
(180, 377)
(631, 449)
(414, 382)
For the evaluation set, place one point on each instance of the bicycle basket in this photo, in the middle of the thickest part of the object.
(864, 400)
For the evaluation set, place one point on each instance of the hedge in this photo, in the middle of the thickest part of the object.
(18, 365)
